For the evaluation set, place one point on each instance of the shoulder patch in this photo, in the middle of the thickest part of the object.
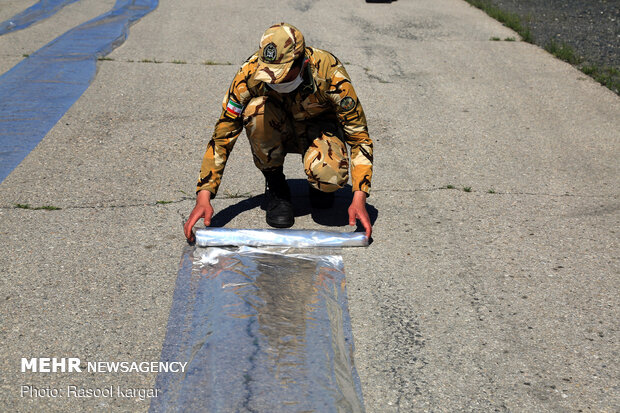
(233, 109)
(347, 103)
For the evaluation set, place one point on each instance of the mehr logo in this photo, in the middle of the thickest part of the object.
(51, 365)
(72, 364)
(270, 53)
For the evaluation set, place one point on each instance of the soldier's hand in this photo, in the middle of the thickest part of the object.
(357, 210)
(203, 209)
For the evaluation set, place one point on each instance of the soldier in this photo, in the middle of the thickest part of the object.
(291, 99)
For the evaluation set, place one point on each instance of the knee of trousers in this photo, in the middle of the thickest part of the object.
(326, 163)
(265, 126)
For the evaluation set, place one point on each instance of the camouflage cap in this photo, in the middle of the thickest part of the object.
(280, 46)
(326, 163)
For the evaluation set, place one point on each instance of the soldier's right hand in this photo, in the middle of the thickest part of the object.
(203, 209)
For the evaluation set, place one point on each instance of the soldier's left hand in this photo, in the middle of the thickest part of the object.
(357, 210)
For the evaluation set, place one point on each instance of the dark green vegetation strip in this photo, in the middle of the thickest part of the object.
(605, 75)
(510, 20)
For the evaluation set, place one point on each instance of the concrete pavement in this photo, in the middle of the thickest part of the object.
(16, 44)
(502, 298)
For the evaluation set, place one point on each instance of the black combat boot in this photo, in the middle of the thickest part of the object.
(279, 208)
(320, 199)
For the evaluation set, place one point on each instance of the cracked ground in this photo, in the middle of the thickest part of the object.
(501, 297)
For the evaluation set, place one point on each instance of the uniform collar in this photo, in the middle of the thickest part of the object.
(308, 86)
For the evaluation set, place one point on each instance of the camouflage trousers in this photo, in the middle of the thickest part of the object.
(273, 133)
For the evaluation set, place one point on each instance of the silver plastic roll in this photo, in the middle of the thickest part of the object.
(260, 331)
(213, 237)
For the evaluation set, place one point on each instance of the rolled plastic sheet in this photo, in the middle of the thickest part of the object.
(261, 331)
(279, 237)
(38, 91)
(41, 10)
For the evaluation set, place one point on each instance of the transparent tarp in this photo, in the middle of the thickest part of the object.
(262, 331)
(279, 237)
(38, 91)
(41, 10)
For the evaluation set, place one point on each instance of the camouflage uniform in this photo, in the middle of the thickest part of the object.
(313, 120)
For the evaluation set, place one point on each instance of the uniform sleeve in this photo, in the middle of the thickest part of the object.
(227, 129)
(351, 116)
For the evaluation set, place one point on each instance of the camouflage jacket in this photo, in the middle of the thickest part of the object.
(326, 87)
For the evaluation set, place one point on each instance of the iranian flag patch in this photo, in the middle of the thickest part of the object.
(233, 109)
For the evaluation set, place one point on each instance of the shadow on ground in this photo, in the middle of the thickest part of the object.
(336, 216)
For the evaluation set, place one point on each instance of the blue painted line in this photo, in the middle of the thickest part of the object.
(38, 91)
(33, 14)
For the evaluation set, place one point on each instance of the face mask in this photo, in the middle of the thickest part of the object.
(288, 87)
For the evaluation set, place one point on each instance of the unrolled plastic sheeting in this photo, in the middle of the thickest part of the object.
(41, 10)
(279, 237)
(38, 91)
(262, 331)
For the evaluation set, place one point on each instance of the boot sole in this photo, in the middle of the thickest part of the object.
(278, 224)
